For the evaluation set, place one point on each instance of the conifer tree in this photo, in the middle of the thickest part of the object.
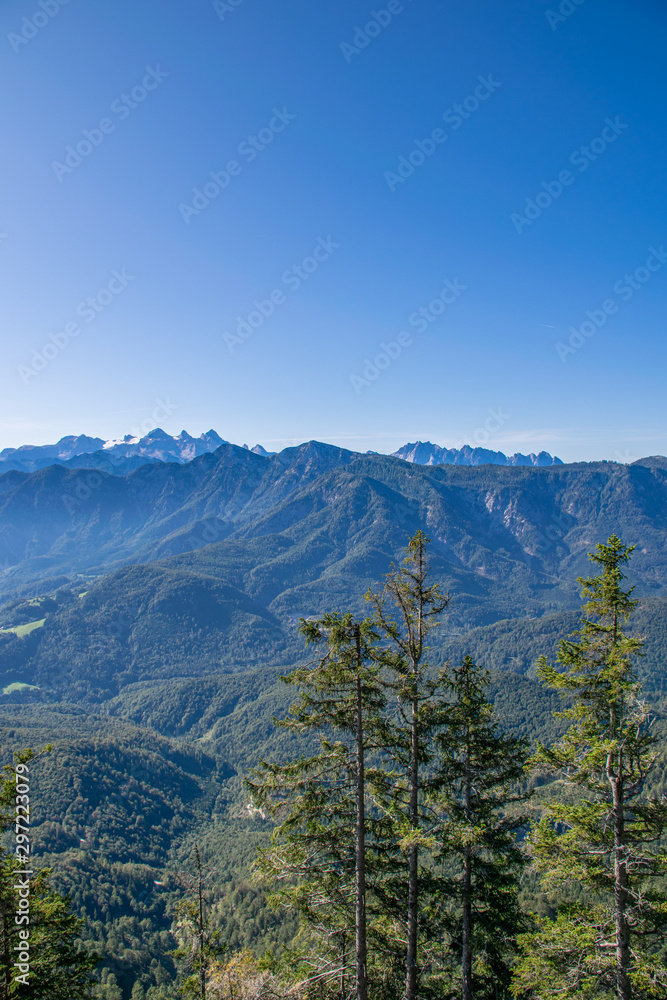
(199, 945)
(404, 613)
(600, 836)
(321, 849)
(476, 782)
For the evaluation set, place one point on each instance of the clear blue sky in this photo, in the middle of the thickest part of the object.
(333, 111)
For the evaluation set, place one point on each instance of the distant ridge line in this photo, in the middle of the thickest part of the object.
(126, 454)
(426, 453)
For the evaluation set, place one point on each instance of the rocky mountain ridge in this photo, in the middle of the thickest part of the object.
(125, 454)
(426, 453)
(129, 453)
(316, 525)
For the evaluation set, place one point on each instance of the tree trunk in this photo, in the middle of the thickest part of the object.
(466, 922)
(466, 951)
(200, 892)
(413, 888)
(360, 865)
(623, 985)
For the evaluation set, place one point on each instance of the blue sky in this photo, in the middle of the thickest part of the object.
(282, 302)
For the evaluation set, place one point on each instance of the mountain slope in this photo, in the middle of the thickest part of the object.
(141, 622)
(508, 543)
(331, 522)
(114, 811)
(59, 521)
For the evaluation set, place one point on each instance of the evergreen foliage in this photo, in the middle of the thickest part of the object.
(118, 807)
(323, 848)
(405, 613)
(414, 788)
(599, 843)
(476, 788)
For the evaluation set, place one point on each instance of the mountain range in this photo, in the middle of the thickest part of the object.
(147, 613)
(83, 452)
(425, 453)
(129, 453)
(230, 549)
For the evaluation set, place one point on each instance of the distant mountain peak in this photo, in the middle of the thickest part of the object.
(67, 447)
(121, 455)
(427, 453)
(652, 462)
(158, 435)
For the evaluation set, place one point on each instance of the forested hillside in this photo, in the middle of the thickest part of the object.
(258, 542)
(324, 522)
(147, 619)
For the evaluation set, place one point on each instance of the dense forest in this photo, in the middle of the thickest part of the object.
(188, 846)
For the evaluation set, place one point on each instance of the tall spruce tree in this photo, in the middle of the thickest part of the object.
(599, 839)
(476, 786)
(321, 848)
(404, 613)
